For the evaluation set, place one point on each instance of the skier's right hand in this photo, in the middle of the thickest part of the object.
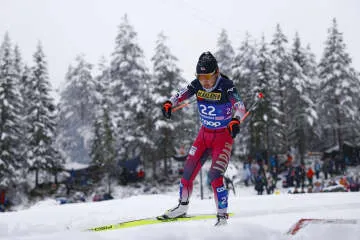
(234, 127)
(166, 109)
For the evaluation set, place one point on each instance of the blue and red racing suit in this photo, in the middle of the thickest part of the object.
(216, 107)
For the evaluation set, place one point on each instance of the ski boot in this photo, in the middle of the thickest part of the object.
(179, 211)
(221, 219)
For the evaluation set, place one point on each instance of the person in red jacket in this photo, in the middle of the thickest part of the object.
(2, 200)
(310, 175)
(220, 109)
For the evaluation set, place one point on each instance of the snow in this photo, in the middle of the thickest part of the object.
(256, 217)
(75, 165)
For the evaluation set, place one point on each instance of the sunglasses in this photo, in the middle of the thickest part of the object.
(206, 76)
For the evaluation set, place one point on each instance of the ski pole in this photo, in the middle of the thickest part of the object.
(260, 95)
(182, 106)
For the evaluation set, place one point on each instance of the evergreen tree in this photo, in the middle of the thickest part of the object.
(41, 154)
(262, 116)
(26, 89)
(10, 105)
(18, 64)
(281, 112)
(21, 73)
(103, 142)
(77, 104)
(225, 54)
(303, 111)
(96, 153)
(245, 80)
(164, 82)
(103, 151)
(339, 88)
(103, 87)
(356, 132)
(129, 83)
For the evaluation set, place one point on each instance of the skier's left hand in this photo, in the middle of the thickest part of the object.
(234, 127)
(166, 109)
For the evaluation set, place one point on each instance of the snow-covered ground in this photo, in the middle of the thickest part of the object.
(256, 217)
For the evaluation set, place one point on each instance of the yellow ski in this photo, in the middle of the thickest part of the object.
(152, 220)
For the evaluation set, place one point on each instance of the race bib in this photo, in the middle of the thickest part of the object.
(215, 116)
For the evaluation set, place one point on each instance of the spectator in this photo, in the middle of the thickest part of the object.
(355, 184)
(317, 169)
(273, 162)
(2, 200)
(246, 174)
(290, 177)
(289, 160)
(254, 171)
(325, 167)
(97, 197)
(274, 174)
(271, 183)
(141, 174)
(343, 181)
(300, 176)
(107, 196)
(310, 174)
(248, 161)
(318, 187)
(260, 184)
(259, 158)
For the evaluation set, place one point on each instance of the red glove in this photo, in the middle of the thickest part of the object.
(234, 127)
(166, 109)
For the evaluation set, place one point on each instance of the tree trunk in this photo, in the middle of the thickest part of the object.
(36, 177)
(340, 139)
(55, 178)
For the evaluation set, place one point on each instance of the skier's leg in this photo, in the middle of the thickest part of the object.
(196, 158)
(193, 163)
(220, 160)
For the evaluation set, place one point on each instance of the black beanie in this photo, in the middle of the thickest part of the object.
(206, 64)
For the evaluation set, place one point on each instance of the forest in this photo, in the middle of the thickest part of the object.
(111, 111)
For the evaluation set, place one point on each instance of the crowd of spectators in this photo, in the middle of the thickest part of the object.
(263, 176)
(327, 174)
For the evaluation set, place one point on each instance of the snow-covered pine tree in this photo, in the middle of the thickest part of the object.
(77, 103)
(225, 53)
(262, 117)
(103, 147)
(283, 64)
(21, 73)
(96, 152)
(103, 142)
(129, 83)
(339, 87)
(10, 121)
(102, 102)
(356, 132)
(18, 64)
(26, 90)
(102, 79)
(313, 137)
(41, 154)
(300, 104)
(245, 80)
(166, 79)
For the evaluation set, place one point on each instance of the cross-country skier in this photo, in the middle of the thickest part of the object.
(220, 108)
